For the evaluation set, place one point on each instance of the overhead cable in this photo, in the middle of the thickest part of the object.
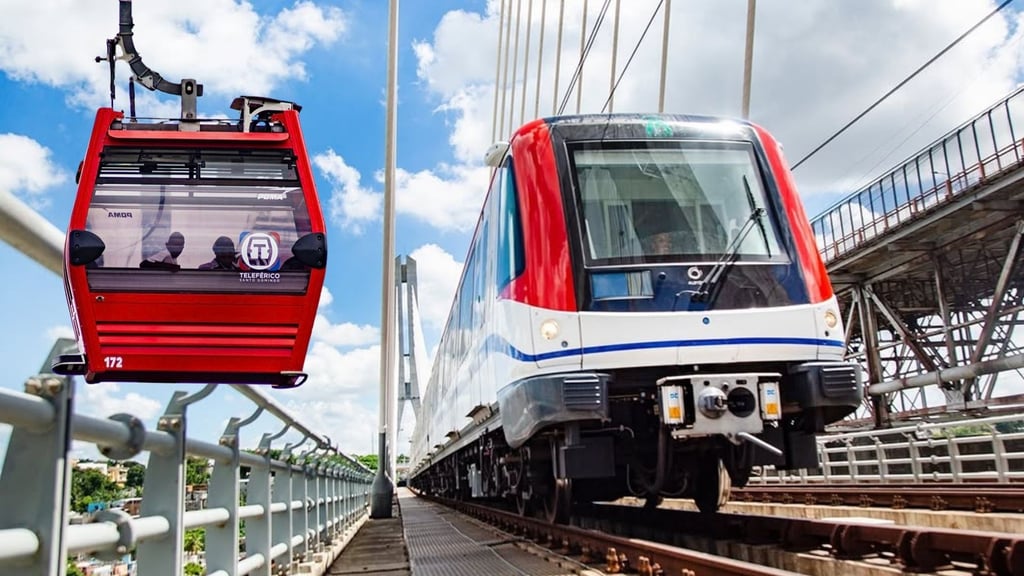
(901, 84)
(583, 56)
(632, 54)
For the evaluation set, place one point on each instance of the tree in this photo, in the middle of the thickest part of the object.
(403, 459)
(136, 474)
(967, 430)
(193, 569)
(89, 486)
(197, 471)
(195, 540)
(73, 569)
(1010, 427)
(368, 460)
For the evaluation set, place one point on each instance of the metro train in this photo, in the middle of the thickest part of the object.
(643, 312)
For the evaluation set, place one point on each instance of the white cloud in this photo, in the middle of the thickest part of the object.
(339, 399)
(325, 297)
(346, 334)
(55, 332)
(438, 276)
(816, 65)
(27, 169)
(106, 399)
(351, 205)
(448, 198)
(225, 44)
(351, 425)
(333, 372)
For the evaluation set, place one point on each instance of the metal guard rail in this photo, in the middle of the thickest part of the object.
(297, 514)
(978, 151)
(962, 451)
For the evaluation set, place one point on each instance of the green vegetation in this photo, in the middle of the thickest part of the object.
(73, 569)
(195, 540)
(193, 569)
(368, 460)
(1010, 427)
(136, 474)
(984, 429)
(197, 471)
(88, 486)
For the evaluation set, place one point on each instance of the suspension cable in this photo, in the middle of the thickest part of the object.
(636, 47)
(583, 56)
(901, 84)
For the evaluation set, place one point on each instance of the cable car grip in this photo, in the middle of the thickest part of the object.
(188, 88)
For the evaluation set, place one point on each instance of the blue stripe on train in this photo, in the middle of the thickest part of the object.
(498, 344)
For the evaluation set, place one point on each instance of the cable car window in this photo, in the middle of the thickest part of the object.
(652, 201)
(198, 221)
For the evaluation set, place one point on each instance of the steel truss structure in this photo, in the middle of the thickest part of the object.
(925, 261)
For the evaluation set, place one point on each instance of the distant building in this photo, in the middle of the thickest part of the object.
(118, 475)
(195, 496)
(100, 466)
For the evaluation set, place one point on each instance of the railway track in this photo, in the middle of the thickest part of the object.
(635, 539)
(982, 498)
(613, 554)
(908, 548)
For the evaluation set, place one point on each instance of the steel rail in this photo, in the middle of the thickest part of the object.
(977, 497)
(911, 548)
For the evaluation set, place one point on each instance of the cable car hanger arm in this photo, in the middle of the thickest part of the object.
(188, 89)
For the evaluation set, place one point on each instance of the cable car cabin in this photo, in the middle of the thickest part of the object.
(196, 250)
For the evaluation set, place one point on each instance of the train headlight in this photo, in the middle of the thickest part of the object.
(549, 329)
(831, 320)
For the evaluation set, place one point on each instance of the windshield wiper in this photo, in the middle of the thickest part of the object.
(760, 221)
(724, 263)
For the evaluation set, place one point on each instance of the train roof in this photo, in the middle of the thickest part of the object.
(637, 125)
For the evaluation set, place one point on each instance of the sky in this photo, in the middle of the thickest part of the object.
(817, 64)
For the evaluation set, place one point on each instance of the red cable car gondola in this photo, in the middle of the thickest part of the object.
(196, 250)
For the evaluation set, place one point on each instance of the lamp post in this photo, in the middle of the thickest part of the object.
(748, 57)
(382, 491)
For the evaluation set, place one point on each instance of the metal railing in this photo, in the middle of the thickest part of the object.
(981, 149)
(299, 509)
(983, 449)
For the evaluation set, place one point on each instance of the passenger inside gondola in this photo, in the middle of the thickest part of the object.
(224, 256)
(167, 259)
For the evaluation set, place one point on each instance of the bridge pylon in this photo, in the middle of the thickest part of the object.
(410, 336)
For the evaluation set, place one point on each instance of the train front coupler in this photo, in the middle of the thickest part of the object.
(732, 405)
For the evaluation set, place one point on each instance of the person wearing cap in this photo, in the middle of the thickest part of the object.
(224, 257)
(168, 257)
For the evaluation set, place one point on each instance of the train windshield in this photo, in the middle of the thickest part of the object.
(198, 221)
(663, 201)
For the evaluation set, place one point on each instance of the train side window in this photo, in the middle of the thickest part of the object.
(511, 259)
